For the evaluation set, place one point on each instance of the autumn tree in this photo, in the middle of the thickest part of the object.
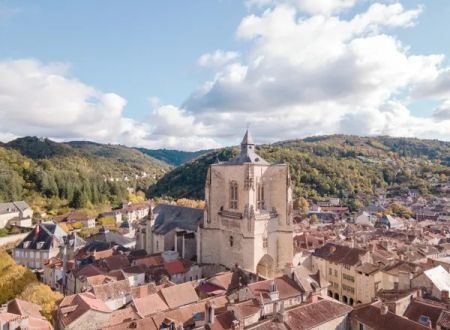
(42, 295)
(301, 204)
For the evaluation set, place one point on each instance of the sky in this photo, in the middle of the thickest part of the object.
(191, 75)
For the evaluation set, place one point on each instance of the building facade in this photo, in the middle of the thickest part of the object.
(248, 214)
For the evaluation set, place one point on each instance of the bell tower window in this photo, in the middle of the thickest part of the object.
(233, 195)
(260, 204)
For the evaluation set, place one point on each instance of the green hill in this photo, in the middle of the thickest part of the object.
(173, 157)
(338, 165)
(73, 173)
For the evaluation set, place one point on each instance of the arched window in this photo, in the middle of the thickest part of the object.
(233, 195)
(231, 240)
(260, 204)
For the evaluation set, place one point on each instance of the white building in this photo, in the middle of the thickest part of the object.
(16, 213)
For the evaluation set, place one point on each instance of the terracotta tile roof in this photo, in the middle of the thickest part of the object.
(88, 271)
(339, 254)
(142, 324)
(150, 304)
(116, 262)
(371, 316)
(183, 315)
(144, 290)
(123, 315)
(74, 306)
(444, 320)
(222, 280)
(151, 261)
(286, 287)
(174, 267)
(420, 307)
(111, 290)
(223, 321)
(313, 315)
(367, 268)
(248, 308)
(179, 295)
(24, 308)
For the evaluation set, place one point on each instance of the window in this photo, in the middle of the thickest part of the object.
(231, 240)
(233, 195)
(260, 197)
(335, 273)
(348, 277)
(330, 271)
(265, 243)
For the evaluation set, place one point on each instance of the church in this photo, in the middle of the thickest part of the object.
(247, 218)
(248, 214)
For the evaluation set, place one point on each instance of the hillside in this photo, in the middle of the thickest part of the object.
(74, 174)
(339, 165)
(173, 157)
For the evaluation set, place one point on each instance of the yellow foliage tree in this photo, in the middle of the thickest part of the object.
(137, 197)
(199, 204)
(301, 204)
(42, 295)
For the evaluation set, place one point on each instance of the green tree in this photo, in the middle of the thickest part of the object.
(79, 200)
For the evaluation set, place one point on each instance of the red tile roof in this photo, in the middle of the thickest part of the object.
(174, 267)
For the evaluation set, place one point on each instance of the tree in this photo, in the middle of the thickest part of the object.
(301, 204)
(313, 219)
(13, 278)
(79, 200)
(42, 295)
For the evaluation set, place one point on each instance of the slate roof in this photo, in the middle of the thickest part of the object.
(44, 233)
(339, 254)
(169, 217)
(248, 154)
(13, 207)
(106, 237)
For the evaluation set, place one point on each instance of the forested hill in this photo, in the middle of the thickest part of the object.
(336, 165)
(73, 173)
(173, 157)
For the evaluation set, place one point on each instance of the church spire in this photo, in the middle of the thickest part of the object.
(248, 139)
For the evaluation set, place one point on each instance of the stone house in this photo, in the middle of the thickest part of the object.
(82, 311)
(87, 221)
(435, 282)
(339, 264)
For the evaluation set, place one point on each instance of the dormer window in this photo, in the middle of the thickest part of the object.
(26, 244)
(39, 245)
(233, 195)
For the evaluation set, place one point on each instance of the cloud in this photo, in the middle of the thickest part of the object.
(42, 99)
(217, 59)
(316, 74)
(307, 70)
(323, 7)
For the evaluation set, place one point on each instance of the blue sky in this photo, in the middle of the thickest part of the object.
(142, 49)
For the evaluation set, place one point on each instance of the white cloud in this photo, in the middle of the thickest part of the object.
(323, 7)
(308, 70)
(217, 59)
(39, 99)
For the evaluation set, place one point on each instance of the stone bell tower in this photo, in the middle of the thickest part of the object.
(248, 214)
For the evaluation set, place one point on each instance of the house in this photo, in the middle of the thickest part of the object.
(377, 316)
(135, 212)
(87, 221)
(16, 213)
(341, 265)
(42, 243)
(83, 311)
(20, 314)
(389, 222)
(435, 282)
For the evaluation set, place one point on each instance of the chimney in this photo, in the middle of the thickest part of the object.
(444, 295)
(209, 313)
(404, 280)
(273, 291)
(37, 228)
(384, 309)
